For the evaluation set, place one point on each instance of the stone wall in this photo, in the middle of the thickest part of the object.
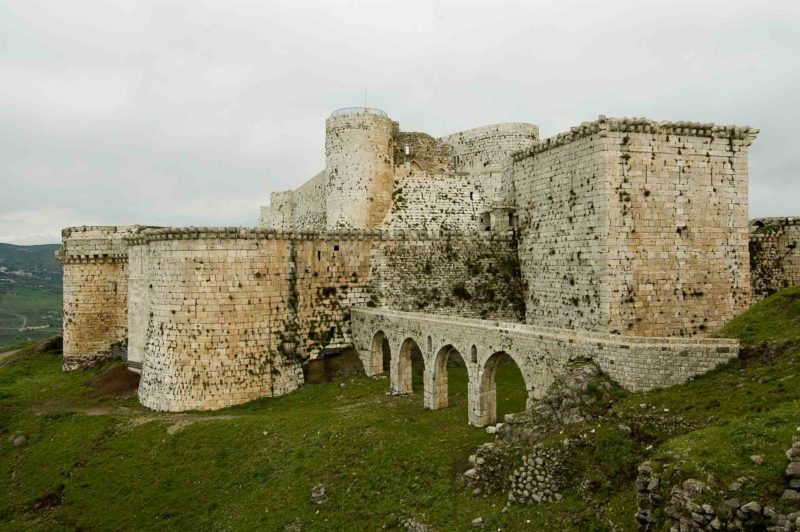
(774, 255)
(425, 153)
(221, 316)
(641, 225)
(487, 149)
(442, 202)
(473, 276)
(302, 208)
(219, 312)
(95, 293)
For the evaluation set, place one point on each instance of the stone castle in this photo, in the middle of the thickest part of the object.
(627, 240)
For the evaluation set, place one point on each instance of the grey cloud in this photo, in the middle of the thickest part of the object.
(179, 112)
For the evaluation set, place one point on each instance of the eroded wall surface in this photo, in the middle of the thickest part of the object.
(774, 255)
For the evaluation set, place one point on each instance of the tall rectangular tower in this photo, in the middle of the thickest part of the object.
(635, 227)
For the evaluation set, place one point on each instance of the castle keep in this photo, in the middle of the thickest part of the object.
(623, 239)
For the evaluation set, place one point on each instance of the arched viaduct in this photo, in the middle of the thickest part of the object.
(541, 353)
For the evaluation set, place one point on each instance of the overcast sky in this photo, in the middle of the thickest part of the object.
(191, 112)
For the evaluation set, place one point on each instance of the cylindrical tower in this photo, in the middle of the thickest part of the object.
(359, 167)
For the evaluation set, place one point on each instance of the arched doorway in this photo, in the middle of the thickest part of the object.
(500, 368)
(380, 353)
(409, 367)
(448, 362)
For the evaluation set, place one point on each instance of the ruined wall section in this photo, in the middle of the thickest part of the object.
(658, 212)
(95, 293)
(456, 275)
(563, 228)
(441, 202)
(774, 255)
(359, 151)
(415, 152)
(301, 209)
(678, 227)
(332, 275)
(487, 150)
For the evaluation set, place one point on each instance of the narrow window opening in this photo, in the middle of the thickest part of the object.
(319, 255)
(430, 343)
(473, 356)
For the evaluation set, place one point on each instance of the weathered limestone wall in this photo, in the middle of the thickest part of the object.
(541, 353)
(774, 255)
(472, 276)
(219, 312)
(95, 293)
(487, 149)
(299, 209)
(333, 273)
(678, 213)
(653, 215)
(220, 316)
(563, 225)
(442, 202)
(359, 152)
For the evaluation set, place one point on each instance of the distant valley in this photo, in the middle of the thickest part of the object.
(30, 293)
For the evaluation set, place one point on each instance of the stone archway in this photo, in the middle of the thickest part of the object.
(379, 355)
(437, 393)
(486, 407)
(401, 372)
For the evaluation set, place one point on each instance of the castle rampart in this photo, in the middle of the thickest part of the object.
(636, 227)
(220, 316)
(95, 293)
(487, 149)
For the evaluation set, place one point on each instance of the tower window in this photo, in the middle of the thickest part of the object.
(336, 247)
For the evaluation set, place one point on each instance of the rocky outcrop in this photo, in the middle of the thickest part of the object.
(694, 505)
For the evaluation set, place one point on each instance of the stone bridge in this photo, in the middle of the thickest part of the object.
(541, 353)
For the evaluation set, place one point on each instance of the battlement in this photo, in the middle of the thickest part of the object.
(603, 125)
(145, 235)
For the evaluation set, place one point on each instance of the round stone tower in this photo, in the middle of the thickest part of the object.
(359, 167)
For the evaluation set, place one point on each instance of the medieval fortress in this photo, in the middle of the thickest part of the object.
(627, 240)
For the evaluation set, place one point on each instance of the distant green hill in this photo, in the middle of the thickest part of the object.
(30, 293)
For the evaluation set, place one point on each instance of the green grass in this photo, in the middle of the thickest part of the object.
(774, 319)
(107, 463)
(380, 457)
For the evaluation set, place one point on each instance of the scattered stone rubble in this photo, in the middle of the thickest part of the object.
(539, 478)
(579, 395)
(696, 506)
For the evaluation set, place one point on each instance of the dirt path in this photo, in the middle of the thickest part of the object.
(9, 353)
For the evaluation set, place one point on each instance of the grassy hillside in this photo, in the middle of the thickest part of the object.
(30, 293)
(97, 460)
